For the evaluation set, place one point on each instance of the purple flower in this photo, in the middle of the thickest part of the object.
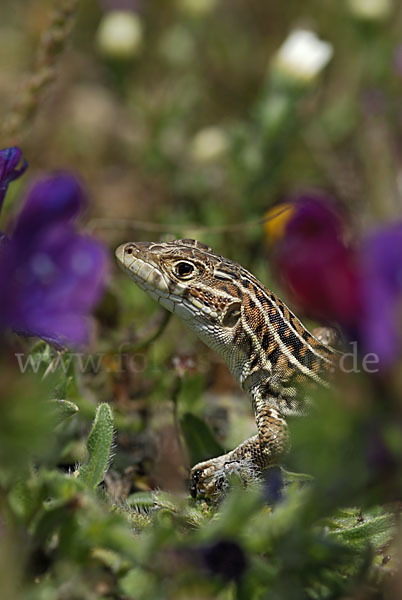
(9, 159)
(50, 276)
(357, 285)
(225, 558)
(381, 321)
(273, 485)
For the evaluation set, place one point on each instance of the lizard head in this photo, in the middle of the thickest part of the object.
(187, 278)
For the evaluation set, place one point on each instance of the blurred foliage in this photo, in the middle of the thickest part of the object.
(182, 123)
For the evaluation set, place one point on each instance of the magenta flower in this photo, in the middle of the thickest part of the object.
(357, 286)
(50, 276)
(317, 265)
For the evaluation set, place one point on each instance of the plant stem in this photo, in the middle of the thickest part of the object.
(44, 68)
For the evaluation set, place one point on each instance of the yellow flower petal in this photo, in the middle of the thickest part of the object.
(275, 220)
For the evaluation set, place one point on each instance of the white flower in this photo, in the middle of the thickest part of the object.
(209, 144)
(302, 56)
(370, 9)
(120, 34)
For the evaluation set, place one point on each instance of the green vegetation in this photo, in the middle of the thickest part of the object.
(183, 119)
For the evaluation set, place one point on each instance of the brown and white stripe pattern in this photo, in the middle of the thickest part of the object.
(272, 355)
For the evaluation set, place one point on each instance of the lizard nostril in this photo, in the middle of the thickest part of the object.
(129, 251)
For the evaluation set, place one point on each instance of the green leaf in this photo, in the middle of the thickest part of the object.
(50, 520)
(99, 445)
(200, 441)
(375, 529)
(141, 501)
(63, 409)
(154, 500)
(138, 583)
(24, 497)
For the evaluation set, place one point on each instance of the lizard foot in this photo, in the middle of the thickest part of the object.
(210, 479)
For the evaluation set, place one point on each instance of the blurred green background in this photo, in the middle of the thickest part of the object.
(184, 120)
(129, 116)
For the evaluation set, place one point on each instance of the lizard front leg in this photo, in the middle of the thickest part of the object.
(263, 450)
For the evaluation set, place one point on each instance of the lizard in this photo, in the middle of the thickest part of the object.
(274, 358)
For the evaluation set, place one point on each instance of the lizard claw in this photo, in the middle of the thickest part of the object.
(210, 479)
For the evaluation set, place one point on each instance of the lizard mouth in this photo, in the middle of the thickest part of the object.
(134, 259)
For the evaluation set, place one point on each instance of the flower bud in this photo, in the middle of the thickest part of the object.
(209, 144)
(301, 57)
(370, 10)
(120, 34)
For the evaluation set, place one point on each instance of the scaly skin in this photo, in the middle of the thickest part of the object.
(275, 359)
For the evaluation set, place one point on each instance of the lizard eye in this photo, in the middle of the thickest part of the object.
(184, 270)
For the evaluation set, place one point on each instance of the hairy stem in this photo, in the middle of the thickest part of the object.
(44, 68)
